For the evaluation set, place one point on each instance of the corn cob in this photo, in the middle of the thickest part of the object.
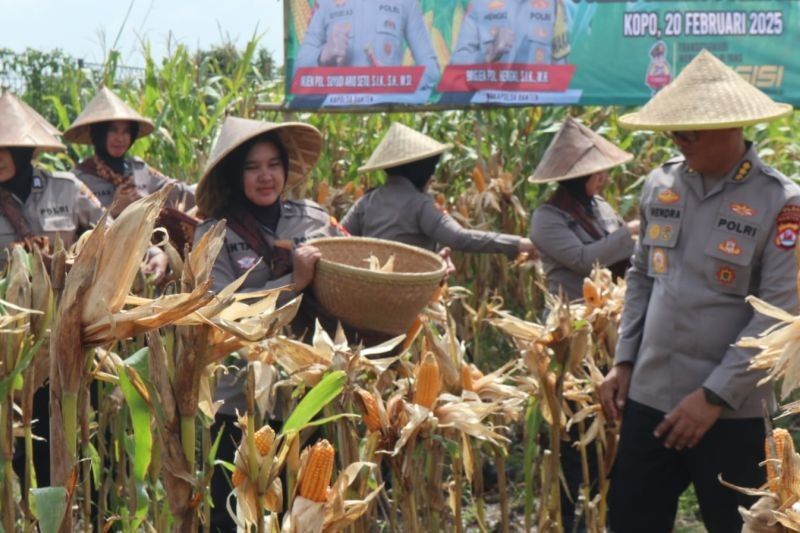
(466, 379)
(238, 477)
(591, 294)
(428, 382)
(301, 13)
(476, 373)
(264, 438)
(370, 407)
(478, 178)
(317, 472)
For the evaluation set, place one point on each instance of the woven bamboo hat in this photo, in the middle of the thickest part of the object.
(577, 151)
(22, 127)
(706, 95)
(401, 145)
(303, 143)
(105, 107)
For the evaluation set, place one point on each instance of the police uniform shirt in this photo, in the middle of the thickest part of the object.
(378, 32)
(568, 253)
(147, 180)
(300, 221)
(398, 211)
(539, 30)
(699, 254)
(58, 206)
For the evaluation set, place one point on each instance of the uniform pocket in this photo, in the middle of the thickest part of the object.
(58, 223)
(729, 262)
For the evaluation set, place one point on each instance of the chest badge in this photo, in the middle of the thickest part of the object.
(37, 183)
(246, 262)
(668, 196)
(743, 210)
(730, 247)
(659, 260)
(496, 4)
(654, 232)
(540, 4)
(726, 275)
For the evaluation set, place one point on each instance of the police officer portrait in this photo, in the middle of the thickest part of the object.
(366, 33)
(717, 224)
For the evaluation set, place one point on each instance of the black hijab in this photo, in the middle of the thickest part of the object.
(576, 187)
(20, 185)
(99, 135)
(417, 172)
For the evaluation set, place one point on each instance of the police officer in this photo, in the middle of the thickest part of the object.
(402, 211)
(251, 165)
(34, 203)
(365, 33)
(36, 207)
(576, 228)
(512, 31)
(111, 126)
(717, 224)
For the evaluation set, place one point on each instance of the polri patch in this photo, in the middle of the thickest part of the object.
(668, 196)
(38, 185)
(726, 275)
(246, 262)
(787, 225)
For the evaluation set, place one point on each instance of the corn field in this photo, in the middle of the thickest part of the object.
(395, 437)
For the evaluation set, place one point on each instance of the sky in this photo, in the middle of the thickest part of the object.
(87, 29)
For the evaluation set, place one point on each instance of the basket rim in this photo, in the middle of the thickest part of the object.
(360, 272)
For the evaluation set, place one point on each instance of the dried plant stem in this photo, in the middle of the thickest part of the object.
(477, 481)
(6, 441)
(500, 461)
(86, 465)
(457, 483)
(588, 514)
(188, 440)
(27, 420)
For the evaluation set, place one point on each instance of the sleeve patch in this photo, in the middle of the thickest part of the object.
(787, 226)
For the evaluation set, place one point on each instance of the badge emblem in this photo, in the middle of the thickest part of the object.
(743, 210)
(726, 275)
(541, 32)
(389, 23)
(668, 196)
(744, 168)
(654, 231)
(539, 55)
(340, 3)
(496, 4)
(387, 48)
(730, 247)
(788, 225)
(666, 232)
(246, 262)
(37, 183)
(540, 4)
(659, 260)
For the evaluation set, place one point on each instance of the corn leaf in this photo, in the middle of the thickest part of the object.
(49, 506)
(321, 395)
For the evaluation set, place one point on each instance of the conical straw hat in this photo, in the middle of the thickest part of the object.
(21, 126)
(577, 151)
(49, 128)
(401, 145)
(706, 95)
(105, 107)
(303, 143)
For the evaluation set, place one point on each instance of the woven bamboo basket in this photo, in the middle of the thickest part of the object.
(384, 302)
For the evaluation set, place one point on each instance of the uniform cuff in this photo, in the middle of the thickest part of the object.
(719, 386)
(626, 352)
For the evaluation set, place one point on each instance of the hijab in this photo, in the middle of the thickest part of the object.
(99, 135)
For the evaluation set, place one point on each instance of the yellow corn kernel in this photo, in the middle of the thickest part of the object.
(370, 408)
(466, 379)
(428, 382)
(478, 178)
(238, 477)
(316, 475)
(264, 438)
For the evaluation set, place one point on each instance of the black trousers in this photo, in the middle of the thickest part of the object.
(647, 478)
(221, 486)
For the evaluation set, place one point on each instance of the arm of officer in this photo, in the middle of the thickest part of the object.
(442, 228)
(552, 235)
(731, 380)
(314, 40)
(419, 41)
(182, 194)
(88, 210)
(468, 46)
(352, 221)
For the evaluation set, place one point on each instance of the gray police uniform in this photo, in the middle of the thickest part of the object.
(398, 211)
(379, 31)
(699, 254)
(568, 252)
(58, 206)
(534, 23)
(147, 180)
(300, 221)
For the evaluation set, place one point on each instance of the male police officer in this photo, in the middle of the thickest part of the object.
(716, 225)
(512, 31)
(364, 33)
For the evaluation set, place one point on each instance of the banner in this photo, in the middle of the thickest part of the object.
(346, 54)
